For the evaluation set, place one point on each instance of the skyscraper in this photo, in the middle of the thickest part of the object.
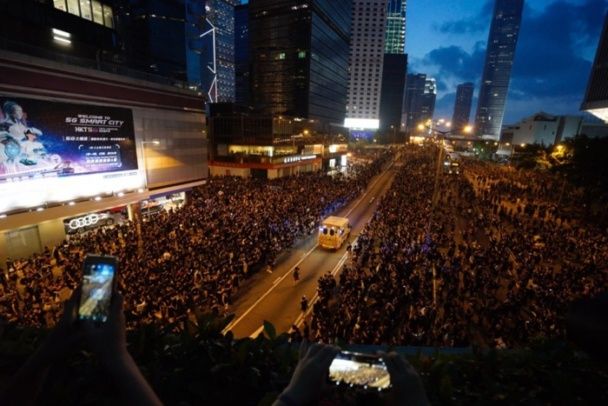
(394, 70)
(242, 55)
(218, 50)
(462, 106)
(596, 97)
(504, 32)
(395, 27)
(366, 64)
(300, 57)
(419, 100)
(394, 73)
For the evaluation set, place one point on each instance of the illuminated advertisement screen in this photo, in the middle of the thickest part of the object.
(53, 151)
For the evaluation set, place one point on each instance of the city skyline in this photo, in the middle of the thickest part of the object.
(562, 32)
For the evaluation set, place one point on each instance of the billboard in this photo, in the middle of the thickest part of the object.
(53, 151)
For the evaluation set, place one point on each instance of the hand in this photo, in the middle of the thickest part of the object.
(407, 388)
(311, 372)
(108, 339)
(65, 336)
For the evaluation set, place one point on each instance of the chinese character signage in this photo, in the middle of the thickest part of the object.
(45, 139)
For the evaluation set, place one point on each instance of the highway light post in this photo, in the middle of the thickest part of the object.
(439, 135)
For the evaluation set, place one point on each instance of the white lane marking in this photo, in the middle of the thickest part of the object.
(233, 323)
(300, 319)
(257, 332)
(277, 280)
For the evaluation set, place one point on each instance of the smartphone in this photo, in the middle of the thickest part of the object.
(97, 287)
(366, 371)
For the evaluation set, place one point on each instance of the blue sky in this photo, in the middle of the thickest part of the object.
(558, 38)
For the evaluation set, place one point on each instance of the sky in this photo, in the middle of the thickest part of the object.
(553, 59)
(558, 38)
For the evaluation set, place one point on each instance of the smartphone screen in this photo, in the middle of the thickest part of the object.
(364, 370)
(97, 286)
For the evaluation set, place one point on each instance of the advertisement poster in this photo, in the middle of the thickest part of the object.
(46, 139)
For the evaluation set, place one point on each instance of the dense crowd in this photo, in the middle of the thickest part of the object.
(495, 264)
(189, 259)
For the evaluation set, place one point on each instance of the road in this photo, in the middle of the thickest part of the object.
(276, 297)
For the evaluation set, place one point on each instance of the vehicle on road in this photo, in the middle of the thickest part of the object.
(334, 231)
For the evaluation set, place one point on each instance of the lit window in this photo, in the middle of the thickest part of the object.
(60, 4)
(73, 7)
(302, 54)
(85, 9)
(97, 12)
(108, 16)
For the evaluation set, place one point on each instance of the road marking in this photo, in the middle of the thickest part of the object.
(300, 319)
(276, 283)
(234, 322)
(257, 332)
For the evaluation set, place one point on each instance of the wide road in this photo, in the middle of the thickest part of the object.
(275, 297)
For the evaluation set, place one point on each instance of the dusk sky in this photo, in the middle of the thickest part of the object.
(558, 38)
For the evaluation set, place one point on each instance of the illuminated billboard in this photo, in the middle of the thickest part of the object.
(54, 152)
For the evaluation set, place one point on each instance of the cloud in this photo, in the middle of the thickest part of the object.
(548, 62)
(552, 62)
(454, 62)
(476, 24)
(462, 27)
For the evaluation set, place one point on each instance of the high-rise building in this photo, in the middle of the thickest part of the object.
(155, 36)
(187, 39)
(242, 56)
(419, 100)
(366, 64)
(218, 50)
(462, 106)
(300, 57)
(394, 73)
(394, 70)
(596, 97)
(395, 27)
(502, 40)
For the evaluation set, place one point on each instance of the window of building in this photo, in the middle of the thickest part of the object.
(97, 12)
(60, 5)
(302, 55)
(73, 7)
(92, 10)
(108, 16)
(85, 9)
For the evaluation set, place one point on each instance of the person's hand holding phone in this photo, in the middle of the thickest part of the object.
(407, 388)
(108, 339)
(309, 375)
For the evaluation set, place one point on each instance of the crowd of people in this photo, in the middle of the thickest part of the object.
(494, 262)
(189, 259)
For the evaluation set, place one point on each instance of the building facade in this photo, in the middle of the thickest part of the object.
(242, 55)
(299, 55)
(159, 130)
(500, 52)
(395, 27)
(544, 129)
(419, 101)
(394, 73)
(596, 97)
(462, 106)
(218, 53)
(394, 70)
(366, 63)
